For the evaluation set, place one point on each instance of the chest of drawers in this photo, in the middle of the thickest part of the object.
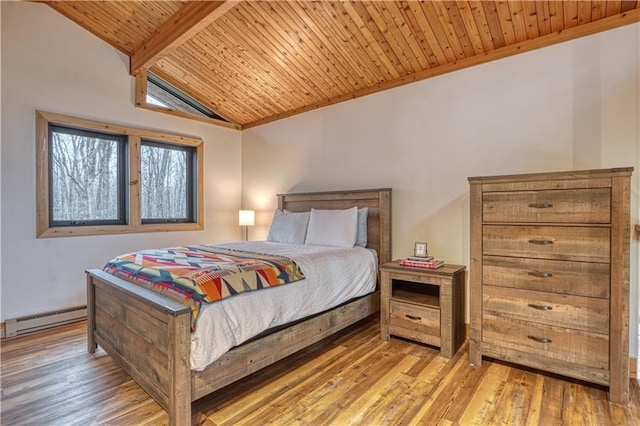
(549, 276)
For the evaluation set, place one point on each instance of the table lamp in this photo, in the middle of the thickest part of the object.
(246, 218)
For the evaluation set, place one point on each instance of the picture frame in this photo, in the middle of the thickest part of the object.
(420, 250)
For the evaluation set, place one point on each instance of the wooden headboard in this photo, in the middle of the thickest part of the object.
(378, 221)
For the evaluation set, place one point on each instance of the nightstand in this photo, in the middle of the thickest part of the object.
(425, 305)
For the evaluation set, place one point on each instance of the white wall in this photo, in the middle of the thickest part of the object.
(565, 107)
(52, 64)
(0, 171)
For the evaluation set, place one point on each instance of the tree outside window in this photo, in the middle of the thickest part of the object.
(87, 177)
(167, 182)
(91, 181)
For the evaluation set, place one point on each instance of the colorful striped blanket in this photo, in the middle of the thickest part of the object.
(203, 274)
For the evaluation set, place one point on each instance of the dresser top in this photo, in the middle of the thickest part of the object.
(575, 174)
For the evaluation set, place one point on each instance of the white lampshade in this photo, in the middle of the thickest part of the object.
(246, 218)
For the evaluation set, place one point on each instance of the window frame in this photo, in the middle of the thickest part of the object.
(132, 180)
(121, 172)
(141, 102)
(192, 180)
(180, 96)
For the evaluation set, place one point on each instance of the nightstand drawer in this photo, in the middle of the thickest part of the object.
(579, 243)
(422, 319)
(589, 205)
(576, 312)
(562, 344)
(558, 276)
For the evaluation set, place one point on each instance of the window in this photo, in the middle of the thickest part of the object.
(88, 182)
(154, 93)
(161, 93)
(167, 182)
(86, 177)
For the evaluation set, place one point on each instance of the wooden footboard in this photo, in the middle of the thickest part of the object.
(243, 360)
(147, 335)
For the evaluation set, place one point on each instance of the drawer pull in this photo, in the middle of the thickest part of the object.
(540, 205)
(541, 242)
(411, 317)
(539, 339)
(540, 307)
(540, 274)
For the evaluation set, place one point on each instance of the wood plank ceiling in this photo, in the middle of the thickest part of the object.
(253, 62)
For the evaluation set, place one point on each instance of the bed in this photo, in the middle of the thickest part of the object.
(149, 336)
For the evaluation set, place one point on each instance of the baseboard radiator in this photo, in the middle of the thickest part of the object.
(27, 324)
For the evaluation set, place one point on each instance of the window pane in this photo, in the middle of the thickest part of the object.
(166, 182)
(158, 96)
(161, 93)
(153, 101)
(84, 181)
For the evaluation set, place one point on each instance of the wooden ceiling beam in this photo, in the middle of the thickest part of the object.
(193, 17)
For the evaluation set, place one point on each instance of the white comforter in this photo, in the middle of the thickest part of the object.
(332, 276)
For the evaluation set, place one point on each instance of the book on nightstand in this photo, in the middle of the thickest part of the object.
(420, 259)
(430, 264)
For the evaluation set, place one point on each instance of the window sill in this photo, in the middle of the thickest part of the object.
(81, 231)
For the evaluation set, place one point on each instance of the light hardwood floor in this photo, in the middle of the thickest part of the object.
(48, 378)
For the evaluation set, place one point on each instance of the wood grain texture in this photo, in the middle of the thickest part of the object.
(190, 19)
(352, 377)
(256, 62)
(425, 305)
(559, 276)
(148, 335)
(582, 244)
(377, 200)
(568, 346)
(590, 205)
(554, 284)
(580, 313)
(620, 264)
(475, 274)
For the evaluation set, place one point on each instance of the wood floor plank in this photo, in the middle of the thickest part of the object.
(277, 389)
(489, 390)
(515, 398)
(353, 377)
(359, 407)
(533, 415)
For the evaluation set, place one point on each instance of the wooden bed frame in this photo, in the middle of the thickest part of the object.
(148, 335)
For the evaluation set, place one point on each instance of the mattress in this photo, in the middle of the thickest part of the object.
(332, 276)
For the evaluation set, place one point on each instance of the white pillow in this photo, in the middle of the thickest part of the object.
(335, 228)
(289, 228)
(361, 236)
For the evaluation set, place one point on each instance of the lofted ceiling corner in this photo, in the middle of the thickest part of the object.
(253, 62)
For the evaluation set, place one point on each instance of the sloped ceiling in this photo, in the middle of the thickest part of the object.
(253, 62)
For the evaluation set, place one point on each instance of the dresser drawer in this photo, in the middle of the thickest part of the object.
(577, 312)
(414, 317)
(559, 276)
(563, 344)
(580, 243)
(590, 205)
